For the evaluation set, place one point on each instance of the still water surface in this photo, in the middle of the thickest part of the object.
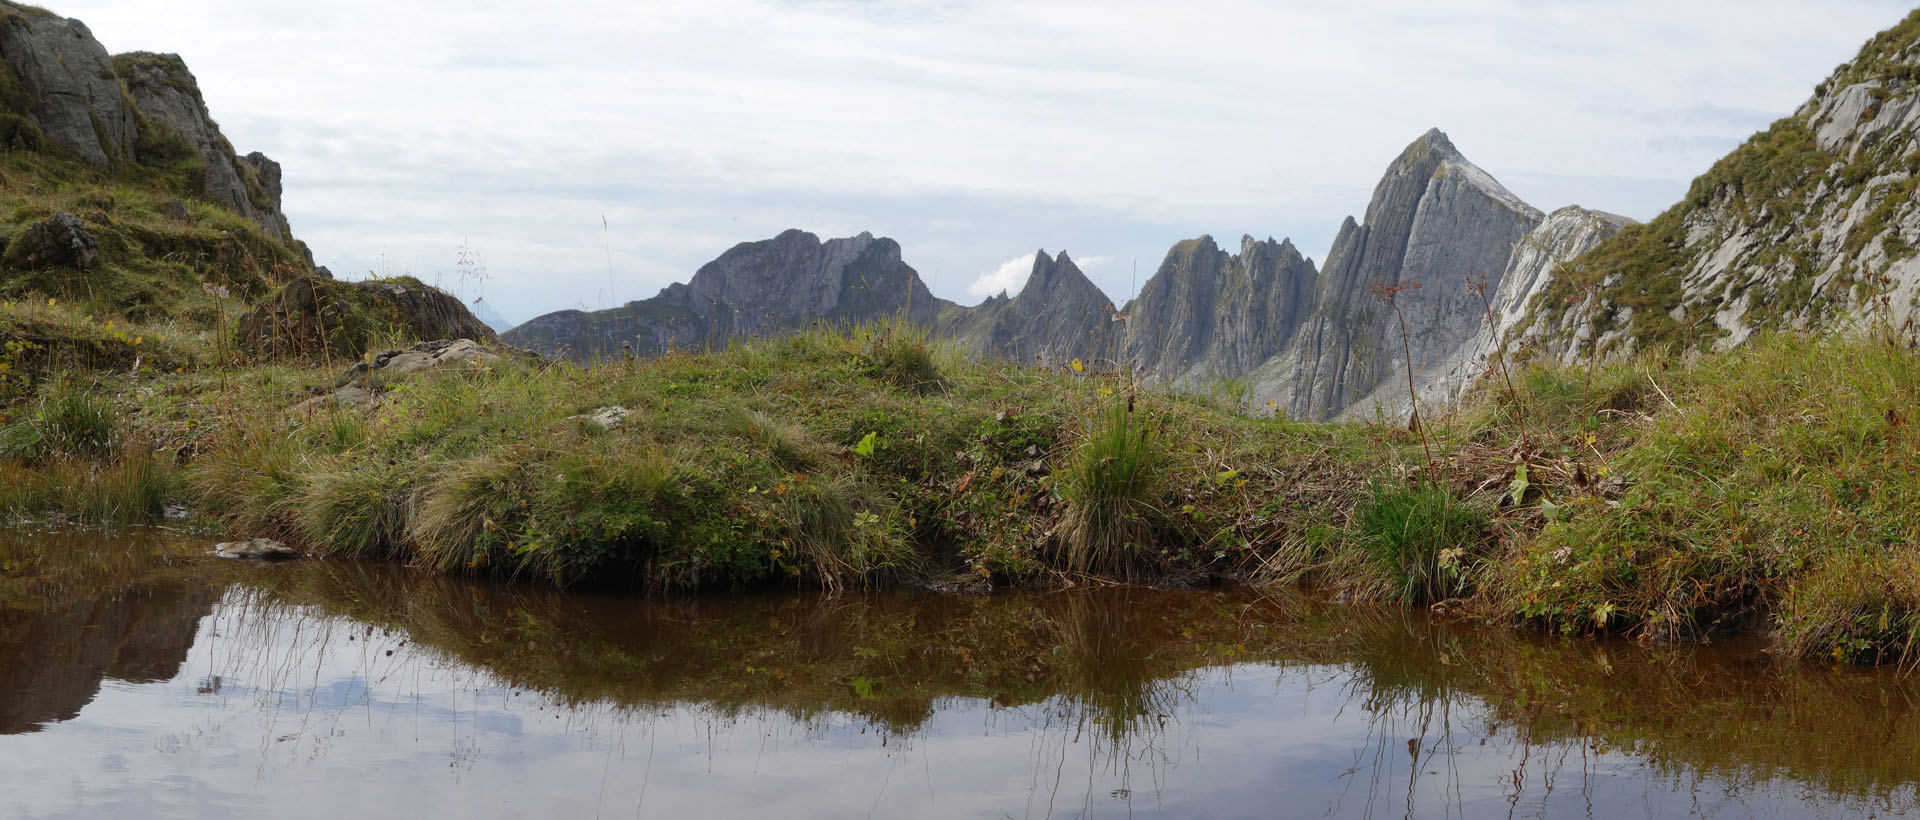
(137, 684)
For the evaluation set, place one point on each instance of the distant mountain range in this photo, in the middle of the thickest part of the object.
(1811, 224)
(1317, 343)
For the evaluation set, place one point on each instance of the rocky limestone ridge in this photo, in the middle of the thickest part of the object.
(1059, 315)
(1208, 315)
(60, 90)
(1564, 235)
(1436, 223)
(1811, 224)
(754, 289)
(166, 93)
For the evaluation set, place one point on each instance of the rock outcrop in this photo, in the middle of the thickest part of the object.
(313, 317)
(60, 90)
(1436, 223)
(1059, 315)
(363, 384)
(66, 84)
(61, 240)
(1811, 224)
(755, 289)
(166, 93)
(1564, 235)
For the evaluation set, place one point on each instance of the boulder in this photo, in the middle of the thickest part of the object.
(59, 241)
(256, 549)
(605, 418)
(432, 355)
(176, 209)
(315, 317)
(361, 384)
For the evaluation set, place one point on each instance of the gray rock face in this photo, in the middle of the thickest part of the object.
(169, 96)
(1208, 315)
(1564, 235)
(1058, 316)
(73, 92)
(98, 107)
(755, 289)
(1436, 223)
(60, 241)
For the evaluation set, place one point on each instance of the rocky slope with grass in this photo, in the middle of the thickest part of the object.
(62, 92)
(1811, 224)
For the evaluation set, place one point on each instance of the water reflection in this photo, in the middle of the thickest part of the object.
(324, 690)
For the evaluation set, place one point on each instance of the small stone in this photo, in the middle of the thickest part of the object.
(256, 549)
(606, 418)
(176, 209)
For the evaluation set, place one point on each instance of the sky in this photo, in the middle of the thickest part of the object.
(589, 153)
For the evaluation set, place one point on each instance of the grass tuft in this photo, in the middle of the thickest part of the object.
(1112, 486)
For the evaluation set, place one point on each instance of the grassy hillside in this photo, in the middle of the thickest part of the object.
(1771, 487)
(1779, 214)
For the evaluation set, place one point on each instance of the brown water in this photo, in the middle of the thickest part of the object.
(137, 684)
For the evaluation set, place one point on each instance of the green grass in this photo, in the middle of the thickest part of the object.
(1113, 487)
(1419, 539)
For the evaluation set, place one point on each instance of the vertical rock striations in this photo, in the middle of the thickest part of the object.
(1436, 222)
(1564, 235)
(1207, 315)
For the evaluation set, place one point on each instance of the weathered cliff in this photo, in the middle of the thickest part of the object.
(61, 92)
(63, 83)
(168, 96)
(1564, 235)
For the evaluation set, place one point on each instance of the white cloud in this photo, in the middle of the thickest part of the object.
(1009, 277)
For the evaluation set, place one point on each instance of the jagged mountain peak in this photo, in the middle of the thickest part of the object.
(1056, 277)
